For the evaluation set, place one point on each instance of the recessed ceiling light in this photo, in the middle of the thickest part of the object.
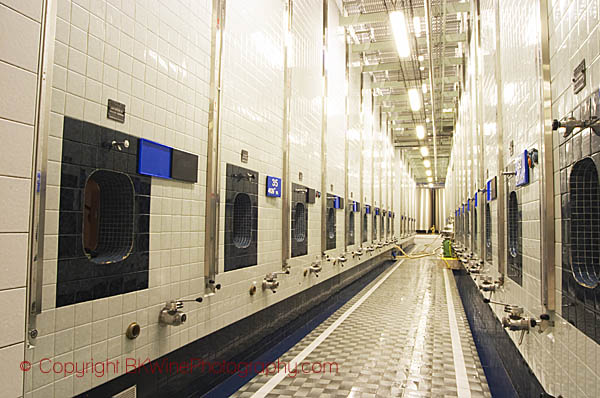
(398, 24)
(424, 151)
(430, 179)
(427, 163)
(424, 88)
(415, 99)
(428, 173)
(421, 58)
(420, 132)
(417, 23)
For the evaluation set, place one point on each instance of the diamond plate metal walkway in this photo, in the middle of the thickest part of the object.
(393, 339)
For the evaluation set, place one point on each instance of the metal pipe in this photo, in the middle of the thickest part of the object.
(39, 173)
(500, 137)
(346, 144)
(211, 240)
(285, 194)
(431, 83)
(548, 299)
(324, 133)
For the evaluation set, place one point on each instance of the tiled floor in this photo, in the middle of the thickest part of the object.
(396, 343)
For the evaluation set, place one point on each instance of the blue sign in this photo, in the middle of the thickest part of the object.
(368, 209)
(273, 187)
(377, 211)
(336, 202)
(355, 206)
(522, 169)
(475, 199)
(154, 159)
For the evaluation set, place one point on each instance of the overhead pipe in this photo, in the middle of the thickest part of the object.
(431, 83)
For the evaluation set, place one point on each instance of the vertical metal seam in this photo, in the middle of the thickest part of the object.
(39, 162)
(500, 210)
(361, 160)
(211, 239)
(324, 133)
(432, 82)
(346, 144)
(547, 170)
(480, 177)
(285, 194)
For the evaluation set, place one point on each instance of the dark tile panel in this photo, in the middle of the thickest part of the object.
(86, 149)
(237, 182)
(581, 305)
(299, 196)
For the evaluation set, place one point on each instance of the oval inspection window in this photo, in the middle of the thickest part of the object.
(513, 224)
(488, 232)
(300, 222)
(475, 228)
(242, 221)
(585, 223)
(331, 223)
(108, 217)
(365, 227)
(374, 227)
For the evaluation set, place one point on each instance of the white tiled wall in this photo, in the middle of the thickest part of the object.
(307, 110)
(154, 57)
(20, 32)
(564, 360)
(336, 110)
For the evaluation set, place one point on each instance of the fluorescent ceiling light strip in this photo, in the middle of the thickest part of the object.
(417, 24)
(398, 24)
(415, 99)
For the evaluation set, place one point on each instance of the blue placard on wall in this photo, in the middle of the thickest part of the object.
(368, 209)
(475, 199)
(273, 187)
(355, 206)
(154, 159)
(377, 211)
(468, 204)
(336, 202)
(522, 169)
(463, 210)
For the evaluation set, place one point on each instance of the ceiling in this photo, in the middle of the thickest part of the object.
(372, 40)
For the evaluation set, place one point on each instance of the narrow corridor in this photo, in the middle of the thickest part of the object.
(393, 339)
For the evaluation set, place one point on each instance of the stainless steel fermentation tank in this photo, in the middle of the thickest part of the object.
(431, 208)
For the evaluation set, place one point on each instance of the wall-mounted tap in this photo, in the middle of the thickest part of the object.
(515, 321)
(370, 249)
(171, 313)
(359, 252)
(378, 245)
(314, 268)
(119, 145)
(488, 285)
(326, 256)
(213, 286)
(270, 282)
(341, 259)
